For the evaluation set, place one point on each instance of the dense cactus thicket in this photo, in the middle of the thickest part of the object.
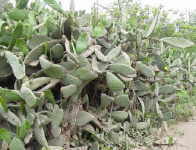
(72, 80)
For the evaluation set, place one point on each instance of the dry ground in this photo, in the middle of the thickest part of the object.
(184, 134)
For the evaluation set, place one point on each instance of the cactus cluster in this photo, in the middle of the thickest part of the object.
(93, 84)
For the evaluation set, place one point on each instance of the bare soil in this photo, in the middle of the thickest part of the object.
(184, 134)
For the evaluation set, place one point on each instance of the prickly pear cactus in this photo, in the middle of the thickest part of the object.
(88, 87)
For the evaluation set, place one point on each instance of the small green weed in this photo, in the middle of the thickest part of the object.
(184, 109)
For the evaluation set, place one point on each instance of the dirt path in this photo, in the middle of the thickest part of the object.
(185, 135)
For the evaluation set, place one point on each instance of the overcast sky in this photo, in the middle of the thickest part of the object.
(174, 4)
